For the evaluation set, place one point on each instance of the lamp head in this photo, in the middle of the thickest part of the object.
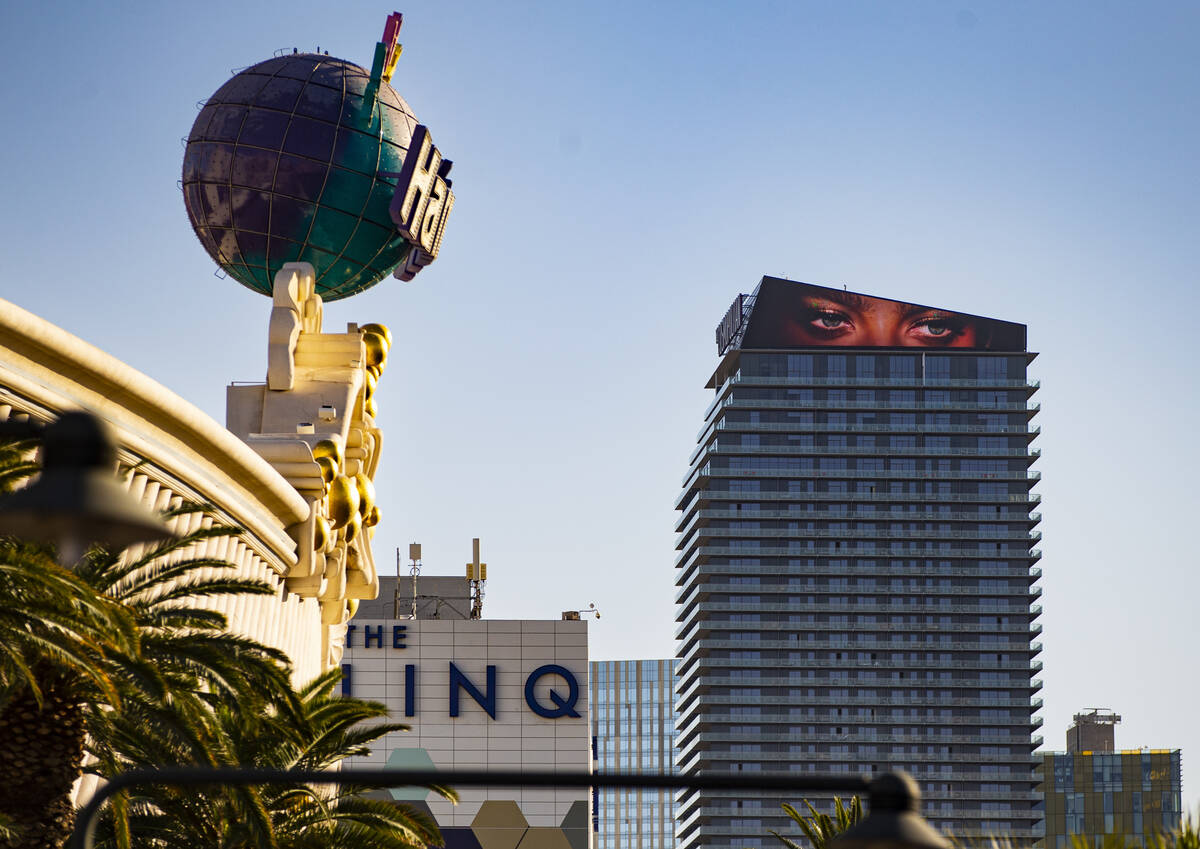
(76, 501)
(894, 820)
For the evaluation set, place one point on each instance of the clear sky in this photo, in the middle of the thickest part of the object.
(622, 171)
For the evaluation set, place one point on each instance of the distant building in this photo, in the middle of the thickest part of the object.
(438, 597)
(633, 730)
(1098, 792)
(1093, 731)
(856, 572)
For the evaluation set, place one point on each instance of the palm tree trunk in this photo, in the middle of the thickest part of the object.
(41, 752)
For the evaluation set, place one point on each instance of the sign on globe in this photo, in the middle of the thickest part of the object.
(309, 158)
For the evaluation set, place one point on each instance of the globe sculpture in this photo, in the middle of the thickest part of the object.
(297, 159)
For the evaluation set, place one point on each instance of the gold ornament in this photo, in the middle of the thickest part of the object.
(372, 518)
(366, 494)
(320, 533)
(377, 349)
(381, 330)
(328, 469)
(352, 528)
(342, 501)
(329, 448)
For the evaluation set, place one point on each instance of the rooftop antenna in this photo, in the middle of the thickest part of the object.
(476, 575)
(414, 554)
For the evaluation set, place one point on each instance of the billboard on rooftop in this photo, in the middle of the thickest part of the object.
(791, 314)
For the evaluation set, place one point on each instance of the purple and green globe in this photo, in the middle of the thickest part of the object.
(285, 163)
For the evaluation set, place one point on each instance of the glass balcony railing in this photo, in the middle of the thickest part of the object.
(710, 470)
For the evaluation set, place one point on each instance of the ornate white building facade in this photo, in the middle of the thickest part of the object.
(294, 470)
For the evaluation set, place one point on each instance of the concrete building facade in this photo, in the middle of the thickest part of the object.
(856, 574)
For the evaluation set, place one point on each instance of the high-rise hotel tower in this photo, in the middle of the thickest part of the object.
(856, 574)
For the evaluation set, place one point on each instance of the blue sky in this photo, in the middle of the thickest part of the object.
(622, 171)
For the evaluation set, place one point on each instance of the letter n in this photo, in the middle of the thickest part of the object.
(486, 700)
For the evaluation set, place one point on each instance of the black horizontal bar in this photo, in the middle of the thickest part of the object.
(81, 838)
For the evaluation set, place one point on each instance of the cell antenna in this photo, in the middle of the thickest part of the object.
(476, 575)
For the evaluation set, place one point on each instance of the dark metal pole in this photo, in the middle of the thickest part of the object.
(85, 822)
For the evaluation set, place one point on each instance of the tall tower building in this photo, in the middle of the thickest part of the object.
(856, 572)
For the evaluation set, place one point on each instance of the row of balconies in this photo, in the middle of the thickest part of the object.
(867, 600)
(701, 553)
(887, 727)
(856, 535)
(1022, 624)
(884, 648)
(726, 424)
(708, 470)
(706, 739)
(842, 514)
(883, 663)
(985, 405)
(1008, 498)
(865, 451)
(1015, 677)
(1025, 611)
(713, 837)
(885, 382)
(871, 696)
(707, 755)
(824, 566)
(884, 601)
(884, 716)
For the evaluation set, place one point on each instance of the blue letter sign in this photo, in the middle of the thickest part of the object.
(562, 707)
(487, 700)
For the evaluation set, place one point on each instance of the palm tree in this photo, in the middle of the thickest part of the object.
(820, 828)
(115, 634)
(56, 638)
(314, 731)
(122, 651)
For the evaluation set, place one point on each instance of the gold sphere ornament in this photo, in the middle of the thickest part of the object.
(366, 494)
(328, 470)
(352, 528)
(380, 329)
(332, 450)
(320, 533)
(372, 518)
(342, 501)
(377, 349)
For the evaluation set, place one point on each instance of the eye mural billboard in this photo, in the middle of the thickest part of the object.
(791, 314)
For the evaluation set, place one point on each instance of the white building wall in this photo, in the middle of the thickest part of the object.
(516, 739)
